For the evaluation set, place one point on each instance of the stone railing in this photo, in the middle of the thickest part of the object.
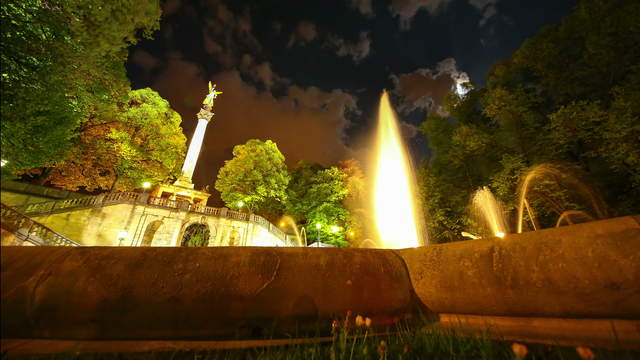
(37, 190)
(30, 231)
(144, 199)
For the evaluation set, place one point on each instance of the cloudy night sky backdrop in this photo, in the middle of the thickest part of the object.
(308, 73)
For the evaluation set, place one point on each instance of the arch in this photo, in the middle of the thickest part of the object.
(235, 236)
(195, 234)
(150, 232)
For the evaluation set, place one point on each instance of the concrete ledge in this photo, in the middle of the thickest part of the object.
(195, 293)
(590, 270)
(600, 333)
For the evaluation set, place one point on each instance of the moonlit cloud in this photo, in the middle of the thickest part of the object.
(425, 89)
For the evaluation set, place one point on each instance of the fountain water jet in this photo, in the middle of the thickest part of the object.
(570, 217)
(301, 238)
(394, 199)
(488, 210)
(557, 174)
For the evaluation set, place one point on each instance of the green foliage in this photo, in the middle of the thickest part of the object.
(142, 142)
(62, 63)
(257, 176)
(315, 196)
(570, 95)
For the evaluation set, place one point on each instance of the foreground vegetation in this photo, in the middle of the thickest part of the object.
(357, 342)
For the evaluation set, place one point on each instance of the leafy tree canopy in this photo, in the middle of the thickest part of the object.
(570, 95)
(62, 63)
(257, 176)
(315, 196)
(142, 142)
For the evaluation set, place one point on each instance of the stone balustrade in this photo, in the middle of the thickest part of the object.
(30, 231)
(146, 200)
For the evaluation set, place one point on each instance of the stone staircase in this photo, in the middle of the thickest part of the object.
(26, 231)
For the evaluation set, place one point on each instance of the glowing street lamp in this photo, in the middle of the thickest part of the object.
(500, 234)
(3, 162)
(146, 185)
(240, 204)
(121, 236)
(335, 228)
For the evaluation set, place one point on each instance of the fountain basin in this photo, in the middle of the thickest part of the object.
(589, 270)
(195, 293)
(586, 271)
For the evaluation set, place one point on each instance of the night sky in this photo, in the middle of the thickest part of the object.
(308, 73)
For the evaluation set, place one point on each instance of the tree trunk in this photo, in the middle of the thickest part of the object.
(44, 176)
(115, 183)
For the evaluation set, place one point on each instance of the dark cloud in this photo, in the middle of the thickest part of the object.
(488, 8)
(304, 33)
(405, 10)
(363, 6)
(306, 123)
(357, 50)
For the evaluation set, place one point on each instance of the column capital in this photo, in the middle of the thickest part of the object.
(205, 113)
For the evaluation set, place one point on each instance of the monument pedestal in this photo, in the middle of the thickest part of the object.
(181, 190)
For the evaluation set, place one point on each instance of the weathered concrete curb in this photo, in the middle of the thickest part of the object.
(194, 293)
(108, 293)
(590, 270)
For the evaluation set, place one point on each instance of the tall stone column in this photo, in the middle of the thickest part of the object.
(183, 187)
(204, 116)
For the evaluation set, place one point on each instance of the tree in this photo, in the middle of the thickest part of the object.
(143, 142)
(315, 196)
(568, 95)
(63, 62)
(257, 176)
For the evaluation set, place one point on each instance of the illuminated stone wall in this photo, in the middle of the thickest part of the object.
(138, 225)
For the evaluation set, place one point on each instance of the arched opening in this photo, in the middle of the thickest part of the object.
(235, 237)
(150, 232)
(195, 235)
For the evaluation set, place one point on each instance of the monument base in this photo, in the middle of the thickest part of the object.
(181, 190)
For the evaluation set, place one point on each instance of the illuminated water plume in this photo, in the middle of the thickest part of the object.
(563, 177)
(301, 237)
(393, 196)
(488, 212)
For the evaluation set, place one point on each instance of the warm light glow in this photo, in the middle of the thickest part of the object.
(334, 228)
(394, 204)
(489, 211)
(281, 224)
(240, 204)
(194, 149)
(318, 226)
(3, 162)
(469, 235)
(122, 234)
(146, 184)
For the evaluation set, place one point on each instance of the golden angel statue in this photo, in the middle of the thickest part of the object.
(213, 94)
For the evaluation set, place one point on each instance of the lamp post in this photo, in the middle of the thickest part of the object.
(146, 185)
